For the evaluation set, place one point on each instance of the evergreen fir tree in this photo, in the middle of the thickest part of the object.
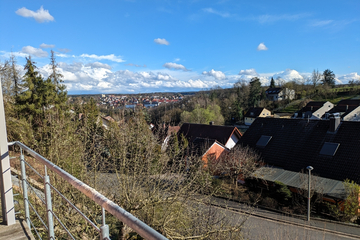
(255, 92)
(55, 78)
(328, 78)
(272, 83)
(29, 103)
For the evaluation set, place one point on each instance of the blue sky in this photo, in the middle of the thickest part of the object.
(150, 46)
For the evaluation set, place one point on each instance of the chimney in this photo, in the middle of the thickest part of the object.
(334, 122)
(211, 123)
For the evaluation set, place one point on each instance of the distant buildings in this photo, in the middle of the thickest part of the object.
(254, 113)
(278, 94)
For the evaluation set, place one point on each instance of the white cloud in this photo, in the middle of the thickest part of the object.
(222, 14)
(110, 57)
(216, 74)
(267, 18)
(40, 15)
(175, 66)
(177, 60)
(161, 41)
(37, 52)
(98, 65)
(64, 50)
(348, 77)
(135, 65)
(43, 45)
(250, 71)
(262, 47)
(321, 23)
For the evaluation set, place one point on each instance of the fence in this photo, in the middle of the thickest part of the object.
(45, 198)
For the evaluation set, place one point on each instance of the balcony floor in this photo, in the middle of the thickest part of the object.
(18, 231)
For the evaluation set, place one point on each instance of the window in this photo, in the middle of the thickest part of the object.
(263, 141)
(329, 149)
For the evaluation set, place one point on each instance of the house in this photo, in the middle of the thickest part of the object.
(254, 113)
(314, 110)
(106, 121)
(331, 147)
(209, 142)
(208, 149)
(278, 94)
(226, 135)
(349, 110)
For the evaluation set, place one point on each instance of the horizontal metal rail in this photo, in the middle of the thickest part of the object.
(75, 208)
(134, 223)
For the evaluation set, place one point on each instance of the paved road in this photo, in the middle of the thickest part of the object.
(262, 226)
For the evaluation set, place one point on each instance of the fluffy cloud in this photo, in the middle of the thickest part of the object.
(110, 57)
(64, 50)
(37, 52)
(262, 47)
(43, 45)
(250, 71)
(98, 65)
(216, 74)
(40, 15)
(348, 77)
(175, 66)
(161, 41)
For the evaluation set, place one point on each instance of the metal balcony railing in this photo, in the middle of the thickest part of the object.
(45, 198)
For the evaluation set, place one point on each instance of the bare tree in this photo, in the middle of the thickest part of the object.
(316, 78)
(239, 163)
(163, 192)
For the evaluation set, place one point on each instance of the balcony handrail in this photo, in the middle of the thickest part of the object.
(134, 223)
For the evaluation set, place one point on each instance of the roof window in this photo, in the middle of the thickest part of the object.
(263, 141)
(329, 149)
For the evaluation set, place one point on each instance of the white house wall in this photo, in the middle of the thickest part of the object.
(232, 141)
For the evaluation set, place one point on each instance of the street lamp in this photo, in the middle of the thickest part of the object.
(309, 189)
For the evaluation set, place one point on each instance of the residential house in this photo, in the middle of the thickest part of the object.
(314, 110)
(278, 94)
(349, 110)
(254, 113)
(329, 146)
(209, 141)
(106, 121)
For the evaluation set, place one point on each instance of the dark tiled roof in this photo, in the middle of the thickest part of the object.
(220, 133)
(200, 145)
(273, 90)
(345, 107)
(296, 144)
(310, 108)
(254, 112)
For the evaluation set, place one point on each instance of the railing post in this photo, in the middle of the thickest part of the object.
(24, 186)
(6, 190)
(104, 234)
(50, 219)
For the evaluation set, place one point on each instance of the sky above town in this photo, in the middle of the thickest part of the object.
(133, 46)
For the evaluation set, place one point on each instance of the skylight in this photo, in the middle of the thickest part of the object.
(263, 141)
(329, 149)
